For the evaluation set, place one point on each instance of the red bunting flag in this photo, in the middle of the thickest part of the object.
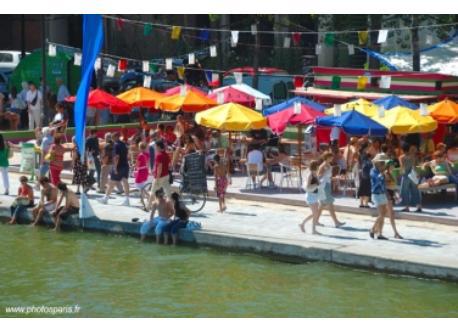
(296, 38)
(119, 23)
(298, 81)
(122, 65)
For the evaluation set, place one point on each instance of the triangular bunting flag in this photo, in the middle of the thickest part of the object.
(318, 49)
(176, 31)
(382, 36)
(77, 57)
(191, 58)
(145, 66)
(147, 29)
(147, 81)
(52, 50)
(362, 37)
(169, 64)
(111, 70)
(351, 49)
(213, 51)
(287, 42)
(296, 38)
(122, 65)
(329, 39)
(234, 38)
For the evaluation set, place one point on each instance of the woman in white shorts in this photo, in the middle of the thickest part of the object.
(379, 198)
(311, 197)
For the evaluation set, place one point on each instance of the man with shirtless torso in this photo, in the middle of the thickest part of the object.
(71, 207)
(164, 210)
(47, 202)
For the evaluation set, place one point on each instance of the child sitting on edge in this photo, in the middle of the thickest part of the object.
(164, 211)
(23, 200)
(220, 173)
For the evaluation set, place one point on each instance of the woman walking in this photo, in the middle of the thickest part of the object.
(220, 173)
(379, 197)
(311, 197)
(410, 194)
(4, 163)
(324, 191)
(141, 172)
(80, 172)
(390, 183)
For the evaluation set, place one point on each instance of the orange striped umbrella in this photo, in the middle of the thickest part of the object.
(141, 97)
(190, 101)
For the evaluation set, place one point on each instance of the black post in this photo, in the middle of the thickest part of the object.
(43, 68)
(415, 45)
(22, 36)
(256, 61)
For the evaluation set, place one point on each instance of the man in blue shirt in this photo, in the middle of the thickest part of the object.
(120, 171)
(378, 190)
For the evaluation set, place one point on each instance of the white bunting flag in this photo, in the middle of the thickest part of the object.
(220, 98)
(215, 77)
(287, 42)
(234, 38)
(97, 64)
(77, 59)
(382, 36)
(258, 104)
(213, 51)
(297, 108)
(337, 110)
(254, 29)
(429, 39)
(111, 70)
(169, 64)
(423, 109)
(145, 66)
(385, 82)
(182, 90)
(52, 50)
(147, 81)
(238, 77)
(318, 49)
(381, 111)
(191, 58)
(351, 49)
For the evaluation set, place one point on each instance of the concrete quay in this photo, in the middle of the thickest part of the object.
(429, 250)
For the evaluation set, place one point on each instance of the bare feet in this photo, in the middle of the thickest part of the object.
(398, 236)
(12, 222)
(302, 228)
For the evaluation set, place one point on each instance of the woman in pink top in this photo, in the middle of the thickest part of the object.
(141, 170)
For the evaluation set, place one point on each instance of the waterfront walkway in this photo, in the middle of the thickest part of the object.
(428, 250)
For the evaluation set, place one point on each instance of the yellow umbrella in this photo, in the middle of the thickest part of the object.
(401, 120)
(190, 101)
(231, 117)
(361, 105)
(141, 97)
(445, 111)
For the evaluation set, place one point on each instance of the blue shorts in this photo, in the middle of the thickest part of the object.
(123, 173)
(173, 226)
(161, 223)
(379, 199)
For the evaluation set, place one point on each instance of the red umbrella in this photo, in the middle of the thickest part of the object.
(177, 90)
(279, 120)
(232, 95)
(100, 99)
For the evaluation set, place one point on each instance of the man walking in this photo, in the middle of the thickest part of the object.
(160, 171)
(120, 170)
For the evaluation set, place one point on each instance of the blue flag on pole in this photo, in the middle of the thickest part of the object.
(92, 43)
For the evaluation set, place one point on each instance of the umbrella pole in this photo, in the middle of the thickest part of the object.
(299, 150)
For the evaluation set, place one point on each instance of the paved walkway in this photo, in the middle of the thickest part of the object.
(429, 249)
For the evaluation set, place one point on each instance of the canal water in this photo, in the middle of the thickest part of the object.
(117, 276)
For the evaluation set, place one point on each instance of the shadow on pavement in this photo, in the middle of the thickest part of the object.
(240, 214)
(422, 242)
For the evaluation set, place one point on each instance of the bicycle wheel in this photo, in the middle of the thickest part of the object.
(195, 202)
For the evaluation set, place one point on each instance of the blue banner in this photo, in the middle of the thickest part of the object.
(92, 43)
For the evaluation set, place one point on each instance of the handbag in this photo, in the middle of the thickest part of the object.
(413, 177)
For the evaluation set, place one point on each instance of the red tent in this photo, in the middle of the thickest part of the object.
(100, 99)
(232, 95)
(279, 120)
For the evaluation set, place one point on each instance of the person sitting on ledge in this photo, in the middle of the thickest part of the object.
(71, 207)
(47, 202)
(180, 221)
(443, 173)
(164, 210)
(23, 200)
